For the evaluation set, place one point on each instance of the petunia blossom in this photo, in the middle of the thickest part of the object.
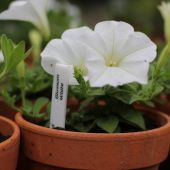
(123, 57)
(66, 52)
(33, 11)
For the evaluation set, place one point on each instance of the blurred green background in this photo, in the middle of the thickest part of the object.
(142, 14)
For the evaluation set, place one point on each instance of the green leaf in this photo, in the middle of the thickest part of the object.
(134, 117)
(13, 55)
(16, 56)
(39, 104)
(28, 107)
(86, 127)
(108, 124)
(7, 47)
(96, 92)
(85, 103)
(27, 53)
(10, 100)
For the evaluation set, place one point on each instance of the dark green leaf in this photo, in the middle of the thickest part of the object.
(28, 107)
(134, 117)
(39, 104)
(108, 124)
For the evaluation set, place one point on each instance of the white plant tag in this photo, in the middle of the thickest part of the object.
(59, 96)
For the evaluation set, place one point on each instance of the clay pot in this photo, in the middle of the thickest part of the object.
(9, 148)
(76, 150)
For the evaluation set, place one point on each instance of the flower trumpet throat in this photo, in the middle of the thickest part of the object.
(112, 62)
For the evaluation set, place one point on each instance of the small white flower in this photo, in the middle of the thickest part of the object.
(33, 11)
(164, 9)
(1, 57)
(123, 55)
(67, 52)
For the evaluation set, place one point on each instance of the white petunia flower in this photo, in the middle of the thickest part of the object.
(1, 57)
(33, 11)
(123, 55)
(164, 9)
(67, 52)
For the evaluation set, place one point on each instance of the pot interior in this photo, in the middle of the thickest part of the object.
(157, 119)
(5, 128)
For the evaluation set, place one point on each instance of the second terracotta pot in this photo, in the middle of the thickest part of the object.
(92, 151)
(10, 147)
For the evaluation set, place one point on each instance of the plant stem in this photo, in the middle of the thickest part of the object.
(21, 75)
(23, 97)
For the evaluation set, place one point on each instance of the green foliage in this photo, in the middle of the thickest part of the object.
(36, 80)
(133, 117)
(163, 68)
(109, 124)
(24, 80)
(30, 85)
(112, 116)
(37, 111)
(13, 55)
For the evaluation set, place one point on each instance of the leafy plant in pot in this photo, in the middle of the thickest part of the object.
(10, 57)
(108, 71)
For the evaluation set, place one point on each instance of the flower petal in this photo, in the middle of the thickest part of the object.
(138, 69)
(40, 7)
(51, 56)
(66, 52)
(33, 11)
(88, 37)
(99, 75)
(53, 53)
(138, 47)
(114, 34)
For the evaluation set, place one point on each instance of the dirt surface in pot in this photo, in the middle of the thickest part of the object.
(3, 138)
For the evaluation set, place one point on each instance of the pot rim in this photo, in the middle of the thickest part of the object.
(153, 133)
(13, 139)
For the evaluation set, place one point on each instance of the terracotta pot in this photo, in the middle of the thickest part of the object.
(76, 150)
(9, 148)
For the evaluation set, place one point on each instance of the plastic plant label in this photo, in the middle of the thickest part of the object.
(59, 96)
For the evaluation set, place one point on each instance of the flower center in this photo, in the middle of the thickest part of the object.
(112, 61)
(82, 69)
